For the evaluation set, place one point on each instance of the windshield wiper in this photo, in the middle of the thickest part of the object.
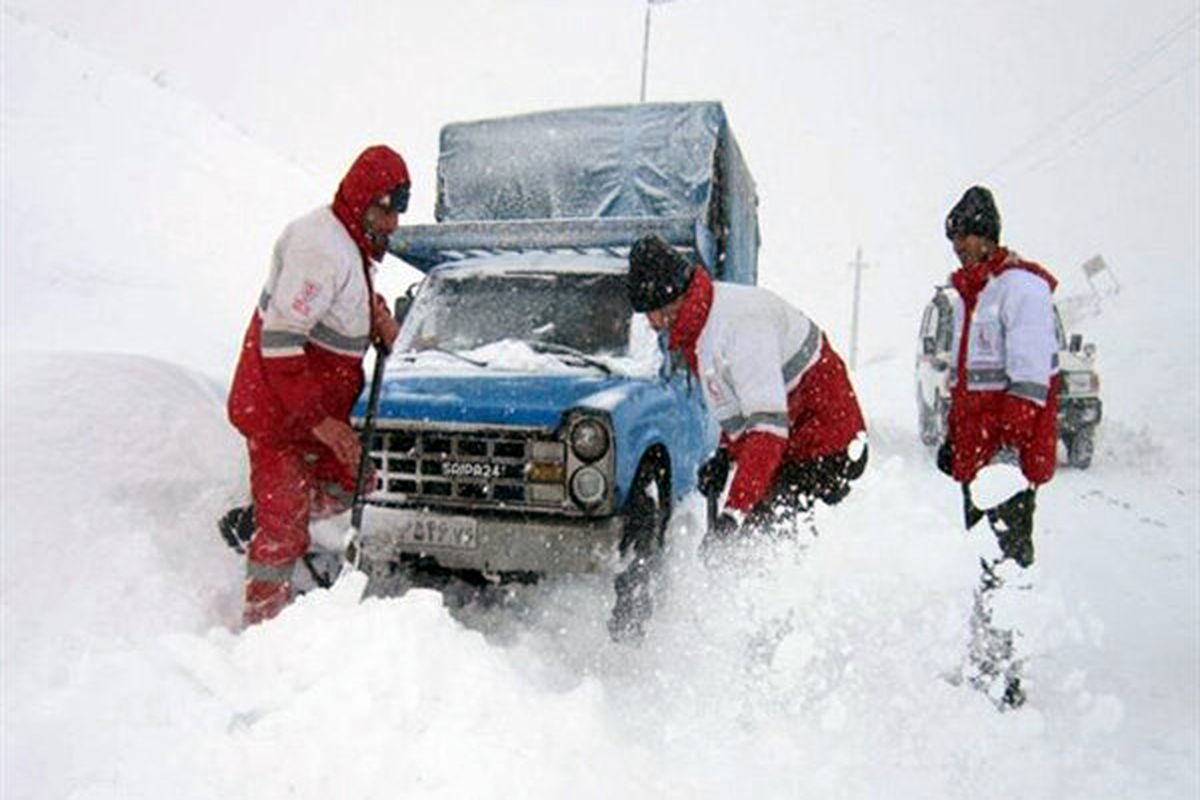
(414, 354)
(566, 350)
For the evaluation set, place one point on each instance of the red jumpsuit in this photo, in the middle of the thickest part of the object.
(301, 361)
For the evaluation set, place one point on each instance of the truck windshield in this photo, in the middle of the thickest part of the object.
(588, 312)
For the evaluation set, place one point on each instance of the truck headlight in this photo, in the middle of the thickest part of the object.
(588, 487)
(589, 440)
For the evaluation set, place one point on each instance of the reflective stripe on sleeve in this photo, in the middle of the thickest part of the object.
(330, 339)
(992, 378)
(803, 358)
(279, 344)
(993, 375)
(766, 421)
(281, 573)
(1030, 391)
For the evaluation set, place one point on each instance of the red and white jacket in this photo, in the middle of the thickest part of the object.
(301, 358)
(1005, 390)
(777, 389)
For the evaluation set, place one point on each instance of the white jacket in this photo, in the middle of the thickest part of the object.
(752, 351)
(1012, 345)
(322, 296)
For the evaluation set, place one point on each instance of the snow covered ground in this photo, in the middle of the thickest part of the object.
(136, 226)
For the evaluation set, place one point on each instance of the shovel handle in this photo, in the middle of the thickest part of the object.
(368, 433)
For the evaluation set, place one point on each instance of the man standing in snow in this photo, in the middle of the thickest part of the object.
(300, 371)
(1004, 398)
(1003, 405)
(791, 428)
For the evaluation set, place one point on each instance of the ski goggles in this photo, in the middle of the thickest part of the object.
(395, 200)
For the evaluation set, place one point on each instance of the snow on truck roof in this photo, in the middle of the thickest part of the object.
(550, 262)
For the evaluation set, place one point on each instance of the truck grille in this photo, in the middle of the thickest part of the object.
(502, 469)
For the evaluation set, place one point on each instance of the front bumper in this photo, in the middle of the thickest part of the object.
(492, 543)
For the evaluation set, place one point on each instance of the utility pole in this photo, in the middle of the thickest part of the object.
(646, 46)
(858, 265)
(645, 53)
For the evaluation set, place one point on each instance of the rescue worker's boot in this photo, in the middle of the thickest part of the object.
(1012, 522)
(971, 512)
(236, 527)
(264, 600)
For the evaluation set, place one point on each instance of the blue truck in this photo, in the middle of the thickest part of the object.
(528, 422)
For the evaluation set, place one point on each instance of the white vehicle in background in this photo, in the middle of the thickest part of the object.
(1079, 406)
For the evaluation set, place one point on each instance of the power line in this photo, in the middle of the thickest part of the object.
(1177, 29)
(1113, 115)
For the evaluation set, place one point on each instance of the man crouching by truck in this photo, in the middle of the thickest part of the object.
(792, 432)
(300, 372)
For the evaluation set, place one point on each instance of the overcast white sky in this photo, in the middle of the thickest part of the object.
(862, 121)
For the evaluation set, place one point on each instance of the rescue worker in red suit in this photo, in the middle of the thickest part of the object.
(1004, 394)
(300, 370)
(791, 428)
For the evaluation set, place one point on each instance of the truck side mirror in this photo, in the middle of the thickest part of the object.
(1076, 342)
(400, 310)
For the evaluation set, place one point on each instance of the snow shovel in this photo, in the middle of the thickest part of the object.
(350, 549)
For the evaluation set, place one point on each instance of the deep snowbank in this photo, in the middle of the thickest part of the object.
(113, 469)
(812, 668)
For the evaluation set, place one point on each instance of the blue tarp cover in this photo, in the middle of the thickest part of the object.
(585, 176)
(649, 160)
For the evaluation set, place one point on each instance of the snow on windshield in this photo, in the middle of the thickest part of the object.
(535, 318)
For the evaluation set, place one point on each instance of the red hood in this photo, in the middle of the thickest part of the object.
(376, 171)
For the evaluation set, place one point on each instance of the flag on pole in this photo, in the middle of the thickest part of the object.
(1098, 266)
(1094, 266)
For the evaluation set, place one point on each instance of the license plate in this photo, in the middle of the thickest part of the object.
(457, 533)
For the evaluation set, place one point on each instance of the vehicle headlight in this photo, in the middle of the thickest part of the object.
(589, 440)
(588, 487)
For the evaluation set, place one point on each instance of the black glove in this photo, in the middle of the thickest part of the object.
(237, 528)
(945, 458)
(711, 477)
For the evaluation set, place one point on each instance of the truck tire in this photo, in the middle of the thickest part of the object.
(1080, 447)
(646, 516)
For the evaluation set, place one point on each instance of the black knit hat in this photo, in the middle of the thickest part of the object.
(975, 213)
(658, 273)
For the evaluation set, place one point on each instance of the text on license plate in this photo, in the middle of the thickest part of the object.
(453, 532)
